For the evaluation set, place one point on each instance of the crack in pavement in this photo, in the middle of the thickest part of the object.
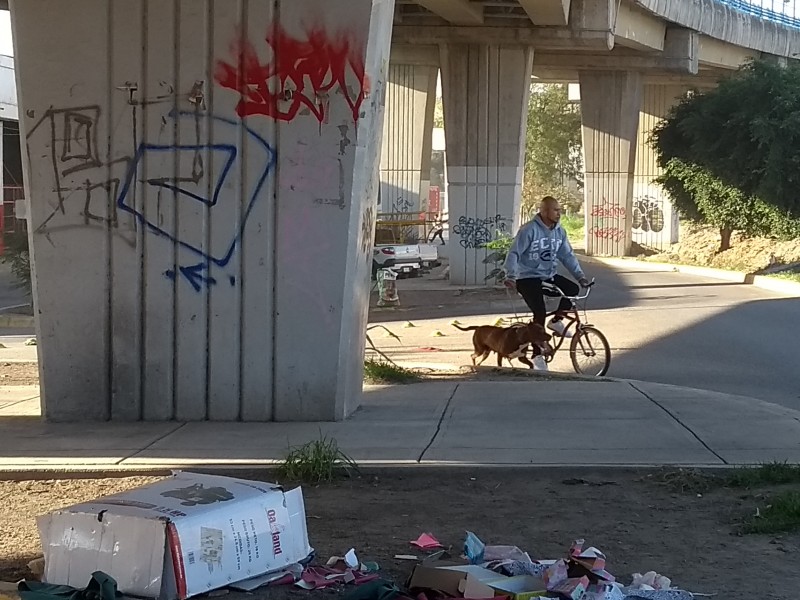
(439, 424)
(679, 422)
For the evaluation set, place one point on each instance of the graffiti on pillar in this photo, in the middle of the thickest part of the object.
(648, 214)
(202, 186)
(605, 220)
(475, 233)
(367, 229)
(300, 78)
(101, 189)
(402, 204)
(81, 181)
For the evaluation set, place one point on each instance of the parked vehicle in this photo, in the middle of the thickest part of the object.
(403, 259)
(429, 256)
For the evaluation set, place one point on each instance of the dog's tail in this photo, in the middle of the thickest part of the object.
(470, 328)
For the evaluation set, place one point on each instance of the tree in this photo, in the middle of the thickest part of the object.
(699, 196)
(745, 133)
(553, 155)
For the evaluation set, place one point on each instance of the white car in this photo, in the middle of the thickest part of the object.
(403, 259)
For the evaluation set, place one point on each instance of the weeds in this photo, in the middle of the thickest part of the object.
(573, 226)
(774, 473)
(781, 515)
(372, 344)
(316, 462)
(788, 275)
(380, 372)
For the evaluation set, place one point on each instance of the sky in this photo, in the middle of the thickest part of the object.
(6, 47)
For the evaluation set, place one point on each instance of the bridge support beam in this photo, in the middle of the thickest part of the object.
(408, 136)
(201, 213)
(654, 222)
(485, 92)
(610, 105)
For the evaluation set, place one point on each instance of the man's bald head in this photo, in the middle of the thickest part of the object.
(550, 211)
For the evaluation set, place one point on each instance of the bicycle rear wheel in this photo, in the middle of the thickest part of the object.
(590, 352)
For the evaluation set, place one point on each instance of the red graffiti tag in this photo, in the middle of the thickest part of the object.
(607, 233)
(300, 74)
(608, 210)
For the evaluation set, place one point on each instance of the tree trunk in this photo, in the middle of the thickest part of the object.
(725, 241)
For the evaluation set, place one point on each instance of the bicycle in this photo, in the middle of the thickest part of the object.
(588, 344)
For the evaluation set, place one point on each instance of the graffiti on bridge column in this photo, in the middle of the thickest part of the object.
(606, 221)
(475, 233)
(81, 183)
(300, 77)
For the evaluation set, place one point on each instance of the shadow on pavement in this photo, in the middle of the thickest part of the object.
(759, 336)
(429, 298)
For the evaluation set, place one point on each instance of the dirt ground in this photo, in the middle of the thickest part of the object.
(699, 245)
(22, 373)
(639, 521)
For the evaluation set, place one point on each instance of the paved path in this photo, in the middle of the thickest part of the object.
(663, 327)
(533, 423)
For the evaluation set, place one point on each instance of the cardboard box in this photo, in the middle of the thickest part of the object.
(520, 587)
(179, 537)
(467, 581)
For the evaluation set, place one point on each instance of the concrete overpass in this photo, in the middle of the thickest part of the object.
(202, 174)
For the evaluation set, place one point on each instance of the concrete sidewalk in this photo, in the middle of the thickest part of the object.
(535, 423)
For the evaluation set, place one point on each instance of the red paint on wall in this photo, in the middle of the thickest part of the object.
(300, 74)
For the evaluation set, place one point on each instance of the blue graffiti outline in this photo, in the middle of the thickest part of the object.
(193, 272)
(229, 148)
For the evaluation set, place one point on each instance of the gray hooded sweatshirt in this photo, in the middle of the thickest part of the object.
(536, 248)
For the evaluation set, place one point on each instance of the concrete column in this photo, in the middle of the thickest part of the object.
(610, 104)
(654, 222)
(485, 92)
(203, 183)
(407, 137)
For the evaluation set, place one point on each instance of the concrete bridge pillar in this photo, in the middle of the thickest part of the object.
(610, 105)
(203, 189)
(408, 133)
(485, 92)
(654, 222)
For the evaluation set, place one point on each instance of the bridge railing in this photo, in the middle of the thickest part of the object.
(786, 12)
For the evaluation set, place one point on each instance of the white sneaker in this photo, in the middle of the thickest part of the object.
(559, 329)
(539, 363)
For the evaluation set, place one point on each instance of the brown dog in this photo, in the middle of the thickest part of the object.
(508, 342)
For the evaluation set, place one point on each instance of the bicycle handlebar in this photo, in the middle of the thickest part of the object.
(551, 287)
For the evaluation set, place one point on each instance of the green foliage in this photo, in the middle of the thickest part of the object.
(17, 256)
(316, 461)
(381, 372)
(553, 143)
(701, 197)
(780, 515)
(573, 226)
(745, 133)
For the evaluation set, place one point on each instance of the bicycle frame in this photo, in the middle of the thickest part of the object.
(572, 317)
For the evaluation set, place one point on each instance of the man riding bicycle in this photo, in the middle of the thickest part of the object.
(531, 261)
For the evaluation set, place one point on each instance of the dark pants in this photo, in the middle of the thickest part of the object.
(531, 292)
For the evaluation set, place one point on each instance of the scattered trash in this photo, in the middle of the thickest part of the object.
(500, 322)
(426, 541)
(179, 537)
(437, 333)
(474, 548)
(409, 325)
(30, 341)
(455, 322)
(185, 525)
(650, 581)
(387, 288)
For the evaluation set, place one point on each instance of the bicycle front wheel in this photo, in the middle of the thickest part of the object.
(590, 352)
